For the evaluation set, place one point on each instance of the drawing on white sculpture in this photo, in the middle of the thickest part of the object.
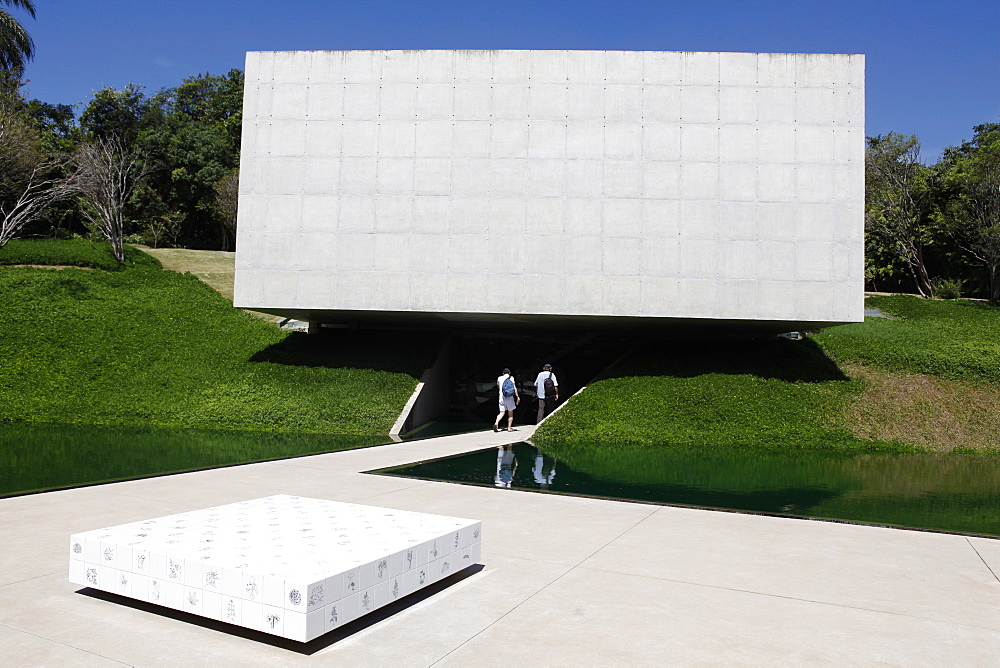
(193, 598)
(382, 567)
(273, 619)
(251, 588)
(350, 582)
(92, 576)
(231, 610)
(366, 601)
(175, 570)
(123, 583)
(141, 561)
(315, 596)
(423, 576)
(294, 597)
(212, 578)
(475, 533)
(395, 589)
(76, 548)
(109, 554)
(456, 540)
(333, 614)
(154, 592)
(444, 567)
(409, 559)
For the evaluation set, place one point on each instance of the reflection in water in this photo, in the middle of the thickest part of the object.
(934, 491)
(543, 479)
(49, 456)
(506, 466)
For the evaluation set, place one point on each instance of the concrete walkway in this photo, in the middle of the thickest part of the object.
(565, 581)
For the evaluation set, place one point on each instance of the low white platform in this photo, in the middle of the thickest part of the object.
(286, 565)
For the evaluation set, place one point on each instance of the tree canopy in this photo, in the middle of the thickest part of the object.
(16, 45)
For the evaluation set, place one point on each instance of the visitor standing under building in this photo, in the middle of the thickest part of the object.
(546, 391)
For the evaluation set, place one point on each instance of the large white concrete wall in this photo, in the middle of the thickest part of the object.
(601, 183)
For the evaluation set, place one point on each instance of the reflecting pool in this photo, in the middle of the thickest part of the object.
(52, 456)
(928, 491)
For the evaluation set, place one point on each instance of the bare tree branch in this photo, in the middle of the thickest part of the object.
(43, 185)
(107, 173)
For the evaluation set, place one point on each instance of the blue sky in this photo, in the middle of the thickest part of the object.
(933, 68)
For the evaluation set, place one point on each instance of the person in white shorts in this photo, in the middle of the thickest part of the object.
(509, 399)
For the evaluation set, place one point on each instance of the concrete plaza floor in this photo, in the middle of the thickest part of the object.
(564, 581)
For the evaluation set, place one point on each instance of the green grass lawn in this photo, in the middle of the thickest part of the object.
(147, 347)
(957, 339)
(938, 361)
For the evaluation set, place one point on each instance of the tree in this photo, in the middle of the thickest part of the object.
(193, 134)
(227, 193)
(16, 46)
(18, 141)
(30, 181)
(897, 190)
(44, 185)
(116, 113)
(107, 171)
(972, 209)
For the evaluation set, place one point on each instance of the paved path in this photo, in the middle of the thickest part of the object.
(565, 581)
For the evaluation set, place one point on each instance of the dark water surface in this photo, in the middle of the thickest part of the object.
(928, 491)
(51, 456)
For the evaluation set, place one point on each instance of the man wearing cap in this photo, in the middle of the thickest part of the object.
(546, 391)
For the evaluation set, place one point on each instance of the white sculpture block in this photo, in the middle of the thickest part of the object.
(285, 565)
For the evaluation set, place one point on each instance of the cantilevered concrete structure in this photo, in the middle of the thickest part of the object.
(553, 186)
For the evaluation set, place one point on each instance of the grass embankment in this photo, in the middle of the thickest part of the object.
(216, 268)
(71, 253)
(143, 346)
(926, 380)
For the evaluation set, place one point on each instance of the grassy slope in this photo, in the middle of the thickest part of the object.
(71, 252)
(150, 347)
(793, 395)
(216, 268)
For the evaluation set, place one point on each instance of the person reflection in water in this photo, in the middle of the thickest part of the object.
(506, 466)
(538, 471)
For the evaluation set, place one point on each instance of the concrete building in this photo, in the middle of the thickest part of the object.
(527, 186)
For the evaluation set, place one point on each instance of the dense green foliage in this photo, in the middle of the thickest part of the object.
(775, 394)
(953, 339)
(71, 252)
(149, 347)
(186, 140)
(937, 224)
(764, 394)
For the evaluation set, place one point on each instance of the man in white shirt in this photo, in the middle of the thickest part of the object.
(546, 391)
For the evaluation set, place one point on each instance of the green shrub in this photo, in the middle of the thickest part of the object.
(948, 288)
(71, 252)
